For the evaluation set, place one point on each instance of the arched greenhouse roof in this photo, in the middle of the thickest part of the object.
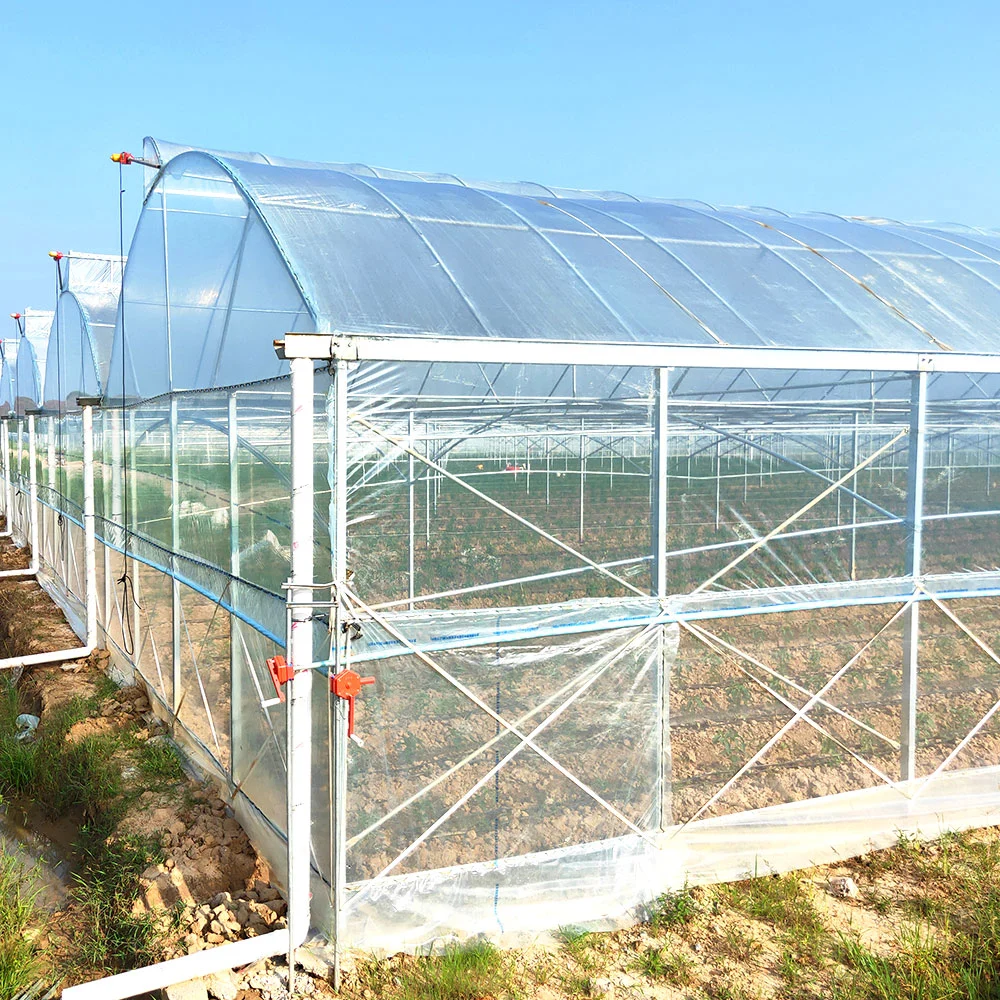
(356, 249)
(82, 329)
(19, 384)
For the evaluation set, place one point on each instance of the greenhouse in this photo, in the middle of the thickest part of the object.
(665, 532)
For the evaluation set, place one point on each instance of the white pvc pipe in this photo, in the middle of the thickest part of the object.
(32, 568)
(179, 970)
(90, 567)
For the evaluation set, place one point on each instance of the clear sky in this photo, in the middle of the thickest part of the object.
(876, 108)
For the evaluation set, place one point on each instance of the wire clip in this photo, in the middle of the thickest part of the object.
(347, 685)
(281, 673)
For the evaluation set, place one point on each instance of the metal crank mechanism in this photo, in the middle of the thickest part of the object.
(347, 685)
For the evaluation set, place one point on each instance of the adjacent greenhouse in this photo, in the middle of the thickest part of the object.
(666, 532)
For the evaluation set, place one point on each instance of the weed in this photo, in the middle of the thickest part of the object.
(740, 945)
(108, 886)
(790, 967)
(780, 900)
(17, 907)
(657, 963)
(158, 762)
(579, 945)
(672, 909)
(475, 972)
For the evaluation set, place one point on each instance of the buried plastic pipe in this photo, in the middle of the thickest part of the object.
(90, 566)
(179, 970)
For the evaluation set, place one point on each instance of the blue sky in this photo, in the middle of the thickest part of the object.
(869, 108)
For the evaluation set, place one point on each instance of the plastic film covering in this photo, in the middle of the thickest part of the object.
(82, 329)
(628, 628)
(18, 376)
(384, 251)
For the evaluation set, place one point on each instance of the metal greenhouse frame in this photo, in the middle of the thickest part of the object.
(666, 533)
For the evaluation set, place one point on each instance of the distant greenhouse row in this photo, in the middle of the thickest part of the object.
(55, 356)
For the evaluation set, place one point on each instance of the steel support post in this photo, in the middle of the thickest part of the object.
(8, 491)
(583, 473)
(658, 468)
(411, 494)
(20, 462)
(911, 617)
(131, 522)
(50, 481)
(175, 544)
(718, 482)
(338, 528)
(117, 518)
(853, 561)
(235, 660)
(89, 540)
(32, 494)
(947, 474)
(300, 656)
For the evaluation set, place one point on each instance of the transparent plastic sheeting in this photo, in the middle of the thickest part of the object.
(82, 330)
(18, 377)
(605, 885)
(260, 246)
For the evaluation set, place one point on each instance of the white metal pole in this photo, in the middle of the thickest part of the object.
(300, 656)
(583, 473)
(411, 512)
(947, 473)
(660, 524)
(50, 478)
(853, 566)
(116, 518)
(20, 459)
(911, 617)
(8, 491)
(32, 495)
(718, 482)
(89, 544)
(175, 544)
(340, 708)
(235, 661)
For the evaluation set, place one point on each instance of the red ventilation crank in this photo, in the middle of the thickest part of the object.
(281, 673)
(347, 685)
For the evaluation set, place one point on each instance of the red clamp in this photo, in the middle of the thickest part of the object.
(281, 673)
(347, 685)
(123, 158)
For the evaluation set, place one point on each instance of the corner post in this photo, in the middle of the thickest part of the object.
(914, 530)
(338, 529)
(300, 656)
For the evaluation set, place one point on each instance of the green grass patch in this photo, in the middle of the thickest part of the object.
(658, 963)
(18, 961)
(159, 762)
(474, 972)
(672, 909)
